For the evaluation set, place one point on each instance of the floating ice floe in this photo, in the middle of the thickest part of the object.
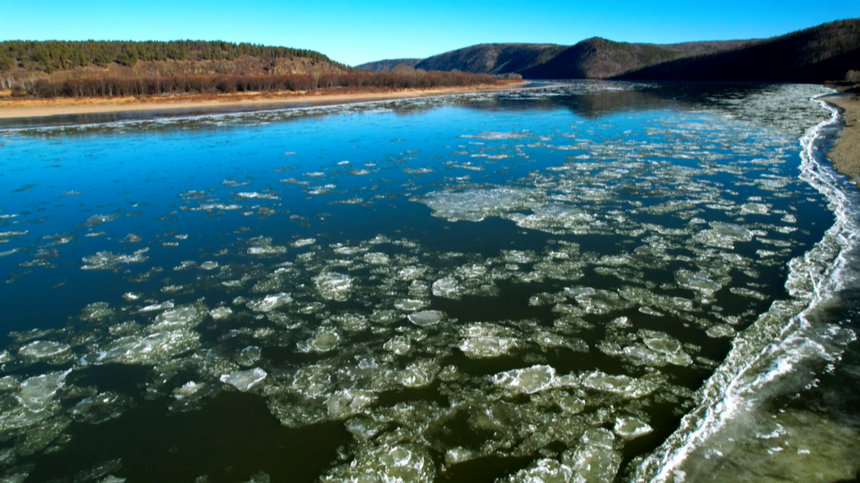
(323, 340)
(37, 392)
(426, 318)
(447, 287)
(270, 302)
(526, 381)
(477, 204)
(345, 403)
(333, 286)
(484, 340)
(394, 463)
(625, 386)
(47, 351)
(221, 313)
(106, 260)
(244, 380)
(629, 427)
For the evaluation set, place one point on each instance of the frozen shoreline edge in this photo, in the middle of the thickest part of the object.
(762, 353)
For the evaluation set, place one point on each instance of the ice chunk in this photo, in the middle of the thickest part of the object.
(209, 265)
(526, 381)
(303, 242)
(410, 305)
(398, 345)
(629, 427)
(46, 350)
(106, 260)
(447, 287)
(720, 331)
(595, 459)
(244, 380)
(333, 286)
(667, 348)
(221, 313)
(426, 318)
(402, 462)
(348, 402)
(484, 340)
(270, 302)
(186, 390)
(267, 250)
(184, 316)
(37, 392)
(477, 204)
(324, 339)
(151, 349)
(96, 311)
(622, 385)
(249, 355)
(377, 258)
(544, 470)
(420, 373)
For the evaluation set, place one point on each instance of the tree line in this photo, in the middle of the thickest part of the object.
(52, 55)
(199, 84)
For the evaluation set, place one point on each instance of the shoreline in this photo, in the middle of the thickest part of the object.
(45, 108)
(845, 154)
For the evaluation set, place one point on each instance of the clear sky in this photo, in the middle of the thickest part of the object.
(354, 32)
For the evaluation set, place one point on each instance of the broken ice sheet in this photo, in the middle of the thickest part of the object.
(485, 340)
(270, 302)
(333, 286)
(106, 260)
(46, 351)
(244, 380)
(37, 392)
(426, 318)
(526, 381)
(477, 204)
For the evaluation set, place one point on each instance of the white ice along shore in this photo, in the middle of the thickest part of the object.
(773, 357)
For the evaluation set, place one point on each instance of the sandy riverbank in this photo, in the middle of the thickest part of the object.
(11, 108)
(846, 153)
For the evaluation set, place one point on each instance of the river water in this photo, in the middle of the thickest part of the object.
(581, 283)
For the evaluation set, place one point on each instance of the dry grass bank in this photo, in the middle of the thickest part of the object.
(12, 108)
(846, 153)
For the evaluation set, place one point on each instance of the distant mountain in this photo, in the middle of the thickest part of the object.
(388, 65)
(493, 58)
(826, 52)
(598, 58)
(589, 59)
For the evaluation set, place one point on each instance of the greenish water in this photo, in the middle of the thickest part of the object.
(601, 281)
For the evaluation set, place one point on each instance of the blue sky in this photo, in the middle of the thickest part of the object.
(354, 32)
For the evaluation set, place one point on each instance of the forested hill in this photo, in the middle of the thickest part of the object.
(23, 63)
(110, 69)
(52, 55)
(827, 52)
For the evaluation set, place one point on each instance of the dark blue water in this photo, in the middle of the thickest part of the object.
(540, 283)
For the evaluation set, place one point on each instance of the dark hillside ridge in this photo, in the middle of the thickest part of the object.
(824, 53)
(493, 58)
(388, 65)
(594, 58)
(598, 58)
